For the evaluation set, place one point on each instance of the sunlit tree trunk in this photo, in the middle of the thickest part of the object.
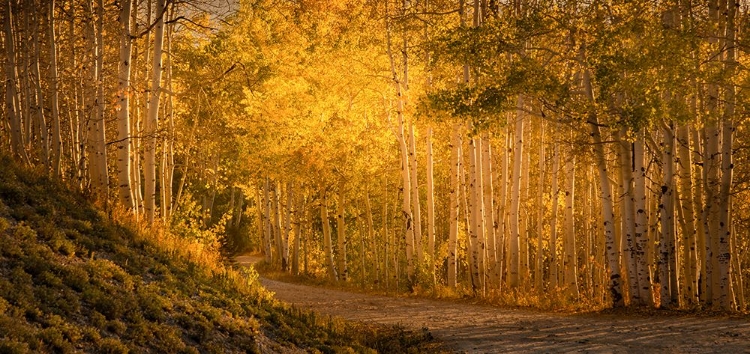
(515, 197)
(430, 205)
(54, 97)
(12, 109)
(327, 241)
(570, 262)
(39, 104)
(267, 237)
(724, 257)
(123, 113)
(406, 208)
(667, 263)
(416, 208)
(478, 249)
(341, 233)
(374, 249)
(297, 216)
(554, 269)
(641, 221)
(689, 226)
(287, 227)
(152, 121)
(489, 213)
(627, 211)
(454, 190)
(539, 266)
(613, 258)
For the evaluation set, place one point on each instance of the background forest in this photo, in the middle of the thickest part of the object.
(574, 152)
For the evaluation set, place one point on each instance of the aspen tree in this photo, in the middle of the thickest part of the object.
(152, 120)
(297, 211)
(430, 205)
(278, 229)
(515, 197)
(489, 212)
(454, 215)
(289, 198)
(406, 208)
(539, 266)
(91, 106)
(570, 261)
(724, 233)
(627, 211)
(123, 113)
(341, 235)
(667, 272)
(39, 104)
(689, 226)
(641, 221)
(607, 209)
(267, 236)
(100, 140)
(416, 208)
(11, 106)
(478, 214)
(327, 241)
(57, 144)
(371, 236)
(554, 267)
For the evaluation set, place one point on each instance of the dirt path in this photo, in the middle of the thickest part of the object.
(485, 329)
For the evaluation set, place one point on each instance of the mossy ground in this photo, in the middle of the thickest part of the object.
(73, 278)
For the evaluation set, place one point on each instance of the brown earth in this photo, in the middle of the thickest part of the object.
(474, 328)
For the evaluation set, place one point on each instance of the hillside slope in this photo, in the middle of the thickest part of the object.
(74, 279)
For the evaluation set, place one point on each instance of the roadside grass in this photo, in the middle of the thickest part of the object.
(74, 278)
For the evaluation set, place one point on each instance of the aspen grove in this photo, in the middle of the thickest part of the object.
(583, 152)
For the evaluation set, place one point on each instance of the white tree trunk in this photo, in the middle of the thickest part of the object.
(554, 267)
(327, 241)
(570, 262)
(152, 120)
(123, 113)
(11, 106)
(54, 98)
(627, 211)
(341, 233)
(641, 222)
(430, 205)
(416, 208)
(489, 213)
(453, 232)
(608, 214)
(515, 197)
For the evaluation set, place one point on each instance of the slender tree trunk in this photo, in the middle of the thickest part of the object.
(430, 205)
(489, 213)
(406, 208)
(152, 121)
(123, 113)
(688, 211)
(570, 262)
(327, 241)
(627, 210)
(16, 135)
(539, 266)
(641, 222)
(613, 258)
(54, 100)
(724, 257)
(554, 269)
(667, 262)
(478, 251)
(416, 208)
(341, 232)
(43, 133)
(453, 232)
(267, 236)
(515, 198)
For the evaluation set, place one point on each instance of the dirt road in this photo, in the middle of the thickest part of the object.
(484, 329)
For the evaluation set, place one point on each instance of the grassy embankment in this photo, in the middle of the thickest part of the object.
(75, 279)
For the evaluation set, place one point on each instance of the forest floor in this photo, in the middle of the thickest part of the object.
(476, 328)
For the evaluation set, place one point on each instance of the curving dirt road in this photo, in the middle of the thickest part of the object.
(473, 328)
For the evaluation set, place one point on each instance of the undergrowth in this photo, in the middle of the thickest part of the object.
(73, 278)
